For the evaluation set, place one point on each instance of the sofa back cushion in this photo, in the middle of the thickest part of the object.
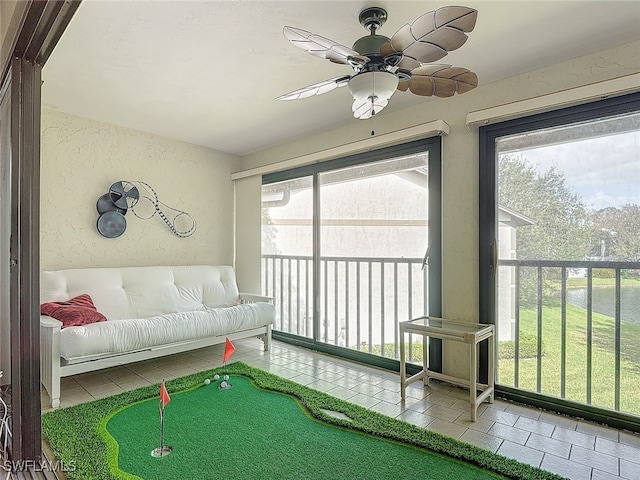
(141, 292)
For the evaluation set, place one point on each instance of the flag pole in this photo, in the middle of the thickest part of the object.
(161, 427)
(163, 450)
(228, 350)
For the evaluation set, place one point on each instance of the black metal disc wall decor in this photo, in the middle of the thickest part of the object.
(126, 195)
(112, 224)
(104, 205)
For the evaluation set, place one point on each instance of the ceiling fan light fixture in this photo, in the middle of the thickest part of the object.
(374, 84)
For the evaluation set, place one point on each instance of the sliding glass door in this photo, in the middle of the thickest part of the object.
(344, 247)
(560, 255)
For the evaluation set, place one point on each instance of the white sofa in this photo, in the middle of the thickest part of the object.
(150, 312)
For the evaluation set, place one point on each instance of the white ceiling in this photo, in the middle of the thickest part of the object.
(206, 72)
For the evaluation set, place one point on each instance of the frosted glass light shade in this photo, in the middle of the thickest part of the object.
(377, 85)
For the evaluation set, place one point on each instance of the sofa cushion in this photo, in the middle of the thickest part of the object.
(142, 292)
(79, 310)
(130, 335)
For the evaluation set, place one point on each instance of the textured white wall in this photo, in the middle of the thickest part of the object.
(81, 158)
(248, 193)
(460, 163)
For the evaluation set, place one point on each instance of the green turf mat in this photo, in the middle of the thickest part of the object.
(264, 427)
(246, 432)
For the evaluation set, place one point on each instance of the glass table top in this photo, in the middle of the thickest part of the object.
(434, 324)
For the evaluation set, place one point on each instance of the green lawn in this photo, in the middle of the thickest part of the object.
(603, 358)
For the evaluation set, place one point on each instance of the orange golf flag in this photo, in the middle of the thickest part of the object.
(164, 396)
(228, 350)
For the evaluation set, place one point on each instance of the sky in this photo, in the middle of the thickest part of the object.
(603, 171)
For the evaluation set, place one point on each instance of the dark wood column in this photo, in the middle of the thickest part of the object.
(34, 29)
(24, 258)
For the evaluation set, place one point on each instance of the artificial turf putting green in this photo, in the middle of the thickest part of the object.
(265, 427)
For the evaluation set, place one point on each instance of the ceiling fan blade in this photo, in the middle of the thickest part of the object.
(320, 46)
(316, 89)
(403, 86)
(441, 80)
(432, 35)
(363, 109)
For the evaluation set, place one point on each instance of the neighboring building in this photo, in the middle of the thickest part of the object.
(508, 220)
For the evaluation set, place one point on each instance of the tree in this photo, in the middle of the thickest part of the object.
(616, 233)
(561, 227)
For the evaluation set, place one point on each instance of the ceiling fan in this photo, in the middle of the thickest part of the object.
(403, 62)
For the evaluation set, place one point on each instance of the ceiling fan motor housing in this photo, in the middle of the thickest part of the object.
(369, 45)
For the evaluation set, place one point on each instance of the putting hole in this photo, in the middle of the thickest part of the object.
(334, 414)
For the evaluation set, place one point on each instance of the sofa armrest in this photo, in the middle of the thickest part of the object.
(253, 298)
(50, 357)
(49, 322)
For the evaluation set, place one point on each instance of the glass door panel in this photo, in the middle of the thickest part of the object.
(569, 261)
(373, 234)
(287, 253)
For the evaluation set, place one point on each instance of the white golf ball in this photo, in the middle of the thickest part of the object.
(207, 381)
(216, 377)
(223, 384)
(226, 377)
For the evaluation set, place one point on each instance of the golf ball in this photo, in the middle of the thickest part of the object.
(226, 377)
(216, 377)
(223, 384)
(207, 381)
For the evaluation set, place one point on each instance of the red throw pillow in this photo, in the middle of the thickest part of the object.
(79, 310)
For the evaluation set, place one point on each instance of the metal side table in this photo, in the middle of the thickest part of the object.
(471, 334)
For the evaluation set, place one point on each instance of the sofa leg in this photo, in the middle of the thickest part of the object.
(266, 339)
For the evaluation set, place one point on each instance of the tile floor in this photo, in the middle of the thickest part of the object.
(570, 447)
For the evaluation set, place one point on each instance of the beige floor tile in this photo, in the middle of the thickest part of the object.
(515, 435)
(629, 438)
(599, 475)
(617, 449)
(389, 409)
(415, 418)
(549, 445)
(364, 400)
(541, 428)
(566, 468)
(500, 416)
(482, 440)
(597, 430)
(521, 453)
(601, 461)
(629, 469)
(443, 413)
(582, 439)
(449, 429)
(480, 425)
(560, 420)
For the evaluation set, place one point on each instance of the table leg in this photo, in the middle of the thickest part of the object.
(403, 368)
(425, 360)
(491, 373)
(473, 375)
